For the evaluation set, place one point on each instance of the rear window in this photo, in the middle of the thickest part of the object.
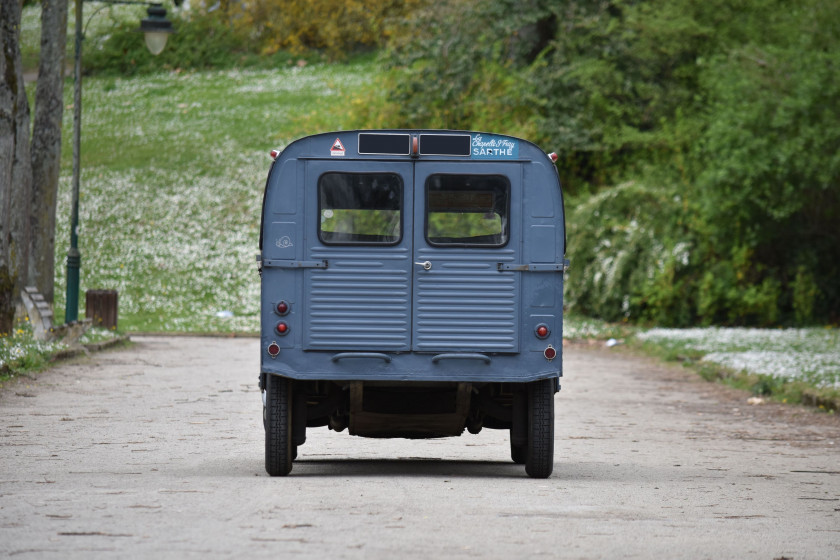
(467, 210)
(360, 208)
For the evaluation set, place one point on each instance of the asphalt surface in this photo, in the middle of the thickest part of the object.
(157, 451)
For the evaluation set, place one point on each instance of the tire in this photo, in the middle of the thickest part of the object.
(279, 451)
(265, 427)
(519, 453)
(540, 457)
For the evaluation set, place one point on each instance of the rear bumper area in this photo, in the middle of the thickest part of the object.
(411, 366)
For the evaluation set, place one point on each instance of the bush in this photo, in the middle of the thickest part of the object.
(630, 254)
(461, 65)
(335, 28)
(735, 103)
(770, 189)
(200, 41)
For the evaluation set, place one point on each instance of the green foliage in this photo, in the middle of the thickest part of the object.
(21, 353)
(459, 64)
(733, 291)
(265, 33)
(614, 78)
(335, 28)
(629, 256)
(200, 41)
(771, 184)
(730, 106)
(805, 295)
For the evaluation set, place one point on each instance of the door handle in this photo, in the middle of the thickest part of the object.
(346, 355)
(427, 265)
(484, 358)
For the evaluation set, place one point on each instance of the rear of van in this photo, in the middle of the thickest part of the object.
(411, 287)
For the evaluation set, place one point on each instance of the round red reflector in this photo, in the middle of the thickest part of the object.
(550, 353)
(282, 308)
(542, 331)
(282, 328)
(273, 349)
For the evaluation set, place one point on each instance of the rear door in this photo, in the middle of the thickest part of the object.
(358, 258)
(466, 224)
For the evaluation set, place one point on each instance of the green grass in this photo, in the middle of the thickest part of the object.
(785, 365)
(173, 170)
(579, 327)
(788, 365)
(21, 354)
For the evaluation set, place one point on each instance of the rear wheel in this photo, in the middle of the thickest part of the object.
(540, 456)
(279, 450)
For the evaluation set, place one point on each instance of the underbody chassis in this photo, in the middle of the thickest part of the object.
(414, 410)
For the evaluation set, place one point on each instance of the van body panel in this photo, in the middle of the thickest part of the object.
(464, 302)
(380, 298)
(362, 301)
(411, 286)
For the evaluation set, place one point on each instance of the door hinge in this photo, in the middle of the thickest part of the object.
(280, 263)
(536, 267)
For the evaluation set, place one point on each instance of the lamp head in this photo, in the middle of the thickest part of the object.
(156, 28)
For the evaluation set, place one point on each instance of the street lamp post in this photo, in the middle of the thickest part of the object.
(156, 29)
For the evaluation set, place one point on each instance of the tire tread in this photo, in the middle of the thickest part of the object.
(540, 458)
(278, 434)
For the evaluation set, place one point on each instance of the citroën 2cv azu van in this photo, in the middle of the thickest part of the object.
(411, 286)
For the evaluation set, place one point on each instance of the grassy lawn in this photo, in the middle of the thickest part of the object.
(785, 365)
(789, 365)
(173, 170)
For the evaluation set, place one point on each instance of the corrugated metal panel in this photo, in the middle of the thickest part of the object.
(463, 303)
(361, 302)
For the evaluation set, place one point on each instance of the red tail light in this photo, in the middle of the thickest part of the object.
(542, 331)
(282, 308)
(282, 328)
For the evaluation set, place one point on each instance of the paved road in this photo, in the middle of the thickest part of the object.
(156, 451)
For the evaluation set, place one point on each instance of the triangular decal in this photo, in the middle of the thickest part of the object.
(337, 148)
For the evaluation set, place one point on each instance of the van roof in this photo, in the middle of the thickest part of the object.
(412, 143)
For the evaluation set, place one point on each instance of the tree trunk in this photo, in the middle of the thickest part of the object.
(15, 165)
(8, 94)
(46, 146)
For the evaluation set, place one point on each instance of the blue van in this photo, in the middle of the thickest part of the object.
(412, 286)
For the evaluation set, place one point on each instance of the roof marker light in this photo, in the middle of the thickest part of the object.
(274, 154)
(553, 157)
